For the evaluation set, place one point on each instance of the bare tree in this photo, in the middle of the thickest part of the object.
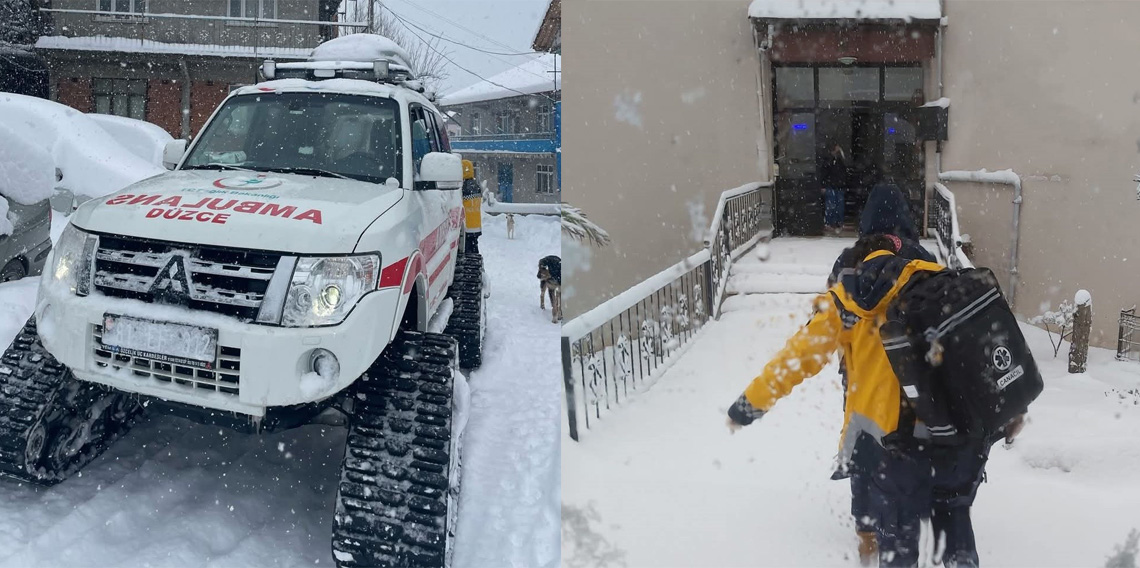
(427, 57)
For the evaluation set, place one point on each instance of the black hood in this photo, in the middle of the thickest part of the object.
(888, 213)
(871, 282)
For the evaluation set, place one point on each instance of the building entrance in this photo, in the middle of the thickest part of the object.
(870, 113)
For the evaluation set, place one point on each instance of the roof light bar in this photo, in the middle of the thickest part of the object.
(269, 69)
(380, 68)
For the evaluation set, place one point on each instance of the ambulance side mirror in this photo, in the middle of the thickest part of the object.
(172, 153)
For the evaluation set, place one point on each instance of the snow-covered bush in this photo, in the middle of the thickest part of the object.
(579, 228)
(1057, 323)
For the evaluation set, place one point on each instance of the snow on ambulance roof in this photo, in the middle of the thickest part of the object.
(534, 76)
(351, 86)
(361, 47)
(92, 162)
(845, 9)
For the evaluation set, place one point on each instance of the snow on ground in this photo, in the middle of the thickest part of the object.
(661, 482)
(173, 493)
(509, 506)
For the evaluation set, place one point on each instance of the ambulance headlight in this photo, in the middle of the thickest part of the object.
(323, 290)
(71, 260)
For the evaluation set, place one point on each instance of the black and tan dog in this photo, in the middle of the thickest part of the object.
(550, 282)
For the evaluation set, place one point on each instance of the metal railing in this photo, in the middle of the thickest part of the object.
(620, 347)
(547, 135)
(264, 36)
(944, 228)
(1128, 342)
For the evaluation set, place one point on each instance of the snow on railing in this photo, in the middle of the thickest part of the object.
(1003, 177)
(627, 342)
(945, 228)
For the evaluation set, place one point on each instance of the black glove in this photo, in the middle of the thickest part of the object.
(742, 412)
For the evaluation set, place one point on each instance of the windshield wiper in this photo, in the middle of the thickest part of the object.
(305, 172)
(219, 166)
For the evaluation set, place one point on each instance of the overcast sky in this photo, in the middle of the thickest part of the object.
(511, 23)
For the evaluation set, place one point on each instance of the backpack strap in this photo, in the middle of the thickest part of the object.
(848, 317)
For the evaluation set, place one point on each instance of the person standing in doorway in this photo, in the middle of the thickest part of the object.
(834, 180)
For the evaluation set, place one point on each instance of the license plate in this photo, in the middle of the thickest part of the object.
(174, 343)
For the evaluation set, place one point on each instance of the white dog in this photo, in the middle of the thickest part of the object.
(510, 225)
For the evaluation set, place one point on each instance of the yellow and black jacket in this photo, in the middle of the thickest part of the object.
(847, 317)
(472, 200)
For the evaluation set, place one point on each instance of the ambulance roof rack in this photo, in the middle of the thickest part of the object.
(377, 71)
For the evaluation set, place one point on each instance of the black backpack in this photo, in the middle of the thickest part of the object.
(959, 355)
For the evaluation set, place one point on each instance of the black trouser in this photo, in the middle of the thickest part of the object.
(957, 473)
(471, 245)
(907, 486)
(862, 463)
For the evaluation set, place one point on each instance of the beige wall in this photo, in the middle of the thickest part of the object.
(1050, 89)
(661, 115)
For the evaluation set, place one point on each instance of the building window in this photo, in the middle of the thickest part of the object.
(476, 124)
(544, 182)
(120, 97)
(263, 9)
(132, 6)
(544, 118)
(507, 121)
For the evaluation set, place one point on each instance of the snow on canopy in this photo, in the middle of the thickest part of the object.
(361, 47)
(534, 76)
(845, 9)
(57, 136)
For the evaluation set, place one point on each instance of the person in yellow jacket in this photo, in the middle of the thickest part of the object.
(472, 208)
(877, 418)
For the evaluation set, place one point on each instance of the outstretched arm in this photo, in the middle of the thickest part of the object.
(803, 356)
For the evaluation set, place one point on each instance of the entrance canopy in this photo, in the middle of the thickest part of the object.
(825, 10)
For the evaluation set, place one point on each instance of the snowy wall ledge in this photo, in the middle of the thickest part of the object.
(523, 208)
(1006, 177)
(906, 10)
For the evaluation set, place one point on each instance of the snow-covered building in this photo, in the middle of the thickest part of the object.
(510, 127)
(170, 62)
(548, 37)
(701, 97)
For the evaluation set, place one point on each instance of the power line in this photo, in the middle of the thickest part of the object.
(449, 60)
(440, 36)
(461, 26)
(407, 21)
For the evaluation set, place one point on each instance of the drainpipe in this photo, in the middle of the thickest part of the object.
(761, 48)
(1016, 239)
(185, 98)
(938, 74)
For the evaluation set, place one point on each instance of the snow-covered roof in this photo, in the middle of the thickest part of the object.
(130, 45)
(846, 9)
(534, 76)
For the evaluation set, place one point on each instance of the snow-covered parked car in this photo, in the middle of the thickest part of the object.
(141, 138)
(284, 272)
(88, 162)
(26, 182)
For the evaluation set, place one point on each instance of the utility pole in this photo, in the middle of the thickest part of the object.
(372, 16)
